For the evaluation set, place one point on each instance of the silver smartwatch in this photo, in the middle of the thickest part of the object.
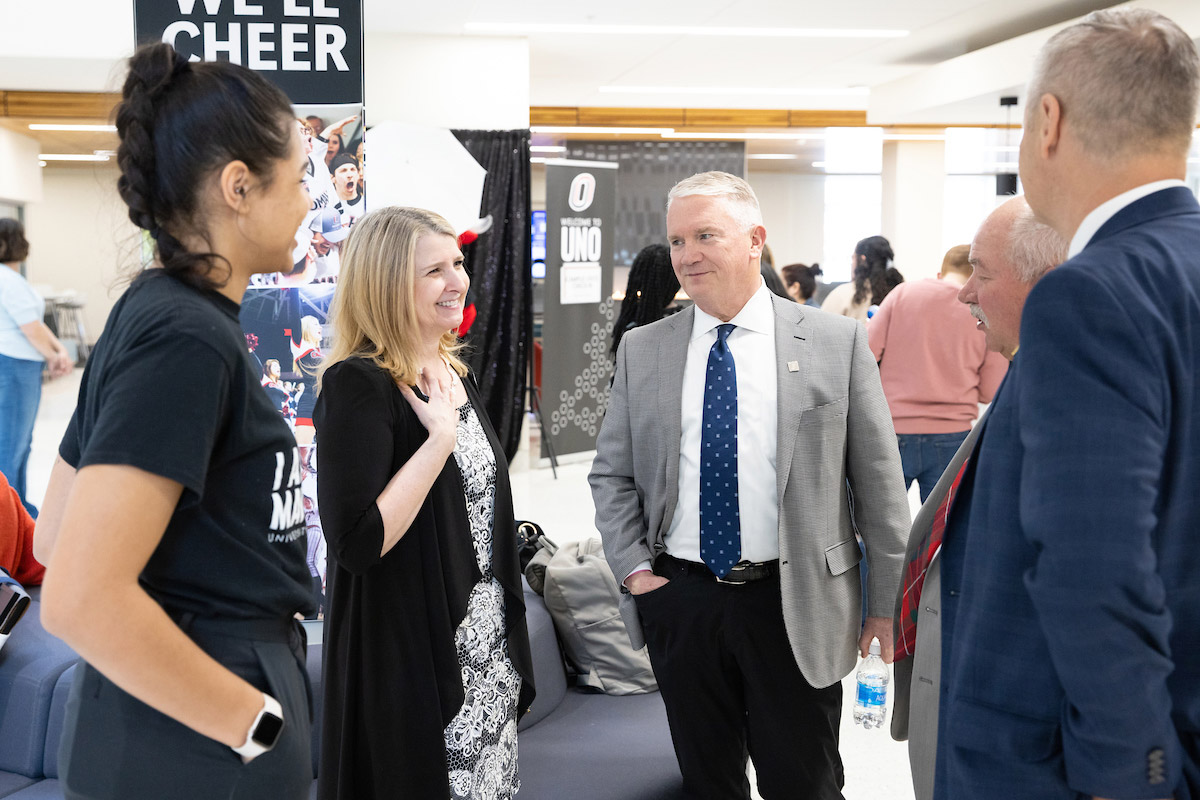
(264, 731)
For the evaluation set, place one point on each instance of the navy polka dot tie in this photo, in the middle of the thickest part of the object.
(720, 525)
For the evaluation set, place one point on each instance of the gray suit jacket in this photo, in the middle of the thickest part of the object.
(915, 710)
(834, 432)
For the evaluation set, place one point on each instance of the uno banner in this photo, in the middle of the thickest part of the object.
(313, 50)
(579, 306)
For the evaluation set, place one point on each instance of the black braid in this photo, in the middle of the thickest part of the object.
(178, 123)
(650, 289)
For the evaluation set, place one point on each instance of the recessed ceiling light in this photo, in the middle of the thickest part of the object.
(773, 156)
(547, 148)
(71, 157)
(91, 128)
(819, 164)
(531, 28)
(853, 91)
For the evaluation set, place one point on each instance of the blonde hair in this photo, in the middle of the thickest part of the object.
(374, 311)
(309, 327)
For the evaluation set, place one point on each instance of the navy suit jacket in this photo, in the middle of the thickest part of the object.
(1071, 562)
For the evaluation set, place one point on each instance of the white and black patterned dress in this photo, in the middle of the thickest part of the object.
(481, 740)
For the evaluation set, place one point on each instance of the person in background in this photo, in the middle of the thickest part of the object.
(1071, 563)
(306, 362)
(873, 277)
(735, 432)
(935, 367)
(26, 347)
(16, 539)
(774, 282)
(801, 283)
(345, 173)
(427, 661)
(649, 292)
(172, 566)
(1009, 254)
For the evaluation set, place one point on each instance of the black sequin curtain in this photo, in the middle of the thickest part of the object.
(501, 287)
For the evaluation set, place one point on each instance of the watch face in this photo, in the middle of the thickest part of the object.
(267, 731)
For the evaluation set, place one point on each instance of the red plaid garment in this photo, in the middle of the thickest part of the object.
(914, 573)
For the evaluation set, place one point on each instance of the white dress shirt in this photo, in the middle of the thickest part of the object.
(752, 343)
(1102, 213)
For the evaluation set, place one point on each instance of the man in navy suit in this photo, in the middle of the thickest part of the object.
(1071, 560)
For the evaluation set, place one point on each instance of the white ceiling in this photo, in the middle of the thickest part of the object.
(76, 45)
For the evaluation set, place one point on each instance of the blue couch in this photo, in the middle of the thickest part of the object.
(573, 745)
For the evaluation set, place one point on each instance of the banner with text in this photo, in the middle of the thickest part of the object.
(312, 50)
(579, 307)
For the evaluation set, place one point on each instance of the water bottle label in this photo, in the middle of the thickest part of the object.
(872, 695)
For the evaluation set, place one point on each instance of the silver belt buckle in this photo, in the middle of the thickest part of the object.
(731, 581)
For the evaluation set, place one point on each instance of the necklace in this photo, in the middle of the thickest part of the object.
(454, 381)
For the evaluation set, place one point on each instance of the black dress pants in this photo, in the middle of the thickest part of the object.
(732, 688)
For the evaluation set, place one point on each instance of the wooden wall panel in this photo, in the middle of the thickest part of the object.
(60, 105)
(633, 117)
(736, 117)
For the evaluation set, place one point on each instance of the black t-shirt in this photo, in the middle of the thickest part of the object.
(170, 389)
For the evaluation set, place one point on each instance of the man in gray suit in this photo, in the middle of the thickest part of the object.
(746, 440)
(1010, 252)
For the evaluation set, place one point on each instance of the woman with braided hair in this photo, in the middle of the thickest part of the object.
(649, 291)
(174, 538)
(873, 277)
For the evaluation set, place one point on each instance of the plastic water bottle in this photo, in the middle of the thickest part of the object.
(870, 702)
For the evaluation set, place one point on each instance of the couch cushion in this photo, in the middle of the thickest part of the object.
(549, 674)
(600, 747)
(30, 665)
(58, 720)
(11, 782)
(49, 789)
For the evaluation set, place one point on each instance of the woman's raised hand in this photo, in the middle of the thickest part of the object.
(439, 415)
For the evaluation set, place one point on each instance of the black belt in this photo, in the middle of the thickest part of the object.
(278, 629)
(743, 572)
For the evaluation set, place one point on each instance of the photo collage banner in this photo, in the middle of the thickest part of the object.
(313, 50)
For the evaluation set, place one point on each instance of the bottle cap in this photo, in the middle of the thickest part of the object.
(874, 649)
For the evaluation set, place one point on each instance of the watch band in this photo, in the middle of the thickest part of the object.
(264, 731)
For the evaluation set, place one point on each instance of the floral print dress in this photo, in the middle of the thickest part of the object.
(481, 740)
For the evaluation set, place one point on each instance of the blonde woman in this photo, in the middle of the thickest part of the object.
(306, 361)
(426, 651)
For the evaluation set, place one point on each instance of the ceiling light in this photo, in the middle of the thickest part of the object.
(774, 135)
(41, 163)
(547, 148)
(92, 128)
(852, 91)
(772, 156)
(532, 28)
(538, 160)
(819, 164)
(71, 157)
(598, 129)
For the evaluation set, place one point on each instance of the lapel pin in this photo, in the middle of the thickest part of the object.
(793, 366)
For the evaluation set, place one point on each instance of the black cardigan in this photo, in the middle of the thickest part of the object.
(391, 678)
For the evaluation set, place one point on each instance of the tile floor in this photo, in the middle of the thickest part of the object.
(876, 766)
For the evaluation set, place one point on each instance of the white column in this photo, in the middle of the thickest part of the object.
(20, 175)
(914, 187)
